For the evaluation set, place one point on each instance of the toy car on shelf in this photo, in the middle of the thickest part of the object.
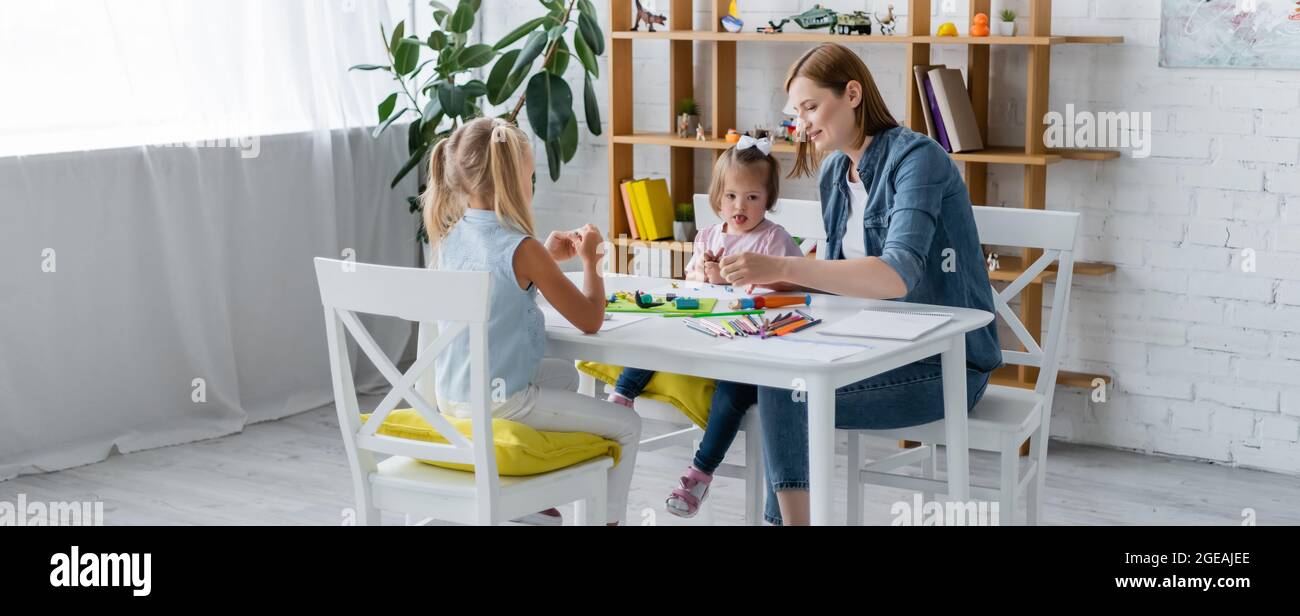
(857, 22)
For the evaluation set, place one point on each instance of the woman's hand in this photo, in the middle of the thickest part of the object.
(751, 268)
(562, 245)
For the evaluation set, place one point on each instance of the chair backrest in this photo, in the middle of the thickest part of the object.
(1054, 233)
(800, 217)
(347, 289)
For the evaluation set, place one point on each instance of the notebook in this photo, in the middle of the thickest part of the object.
(887, 323)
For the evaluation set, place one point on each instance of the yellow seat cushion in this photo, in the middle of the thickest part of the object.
(521, 450)
(692, 395)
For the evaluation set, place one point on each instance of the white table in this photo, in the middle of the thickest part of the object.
(666, 344)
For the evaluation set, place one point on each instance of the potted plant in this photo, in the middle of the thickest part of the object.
(684, 223)
(439, 93)
(688, 117)
(1007, 25)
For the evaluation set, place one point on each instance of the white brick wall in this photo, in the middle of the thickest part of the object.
(1206, 357)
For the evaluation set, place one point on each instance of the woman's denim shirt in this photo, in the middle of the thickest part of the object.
(917, 209)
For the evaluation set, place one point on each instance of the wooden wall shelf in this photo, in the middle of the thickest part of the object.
(1033, 157)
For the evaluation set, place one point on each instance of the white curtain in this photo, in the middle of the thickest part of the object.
(154, 295)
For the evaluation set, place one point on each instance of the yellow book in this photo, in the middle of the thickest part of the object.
(636, 196)
(659, 222)
(641, 205)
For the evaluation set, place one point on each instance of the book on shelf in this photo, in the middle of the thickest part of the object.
(624, 189)
(653, 208)
(929, 108)
(955, 110)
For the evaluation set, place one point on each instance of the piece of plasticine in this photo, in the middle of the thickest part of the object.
(687, 303)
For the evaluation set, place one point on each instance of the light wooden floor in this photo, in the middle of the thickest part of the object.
(293, 471)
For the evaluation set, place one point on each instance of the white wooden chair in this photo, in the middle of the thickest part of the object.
(1005, 416)
(802, 219)
(401, 483)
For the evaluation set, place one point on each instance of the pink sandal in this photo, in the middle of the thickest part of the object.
(685, 501)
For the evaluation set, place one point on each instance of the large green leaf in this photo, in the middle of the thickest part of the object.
(569, 138)
(398, 33)
(591, 31)
(560, 61)
(585, 54)
(473, 89)
(410, 164)
(379, 130)
(475, 56)
(429, 129)
(550, 105)
(386, 106)
(432, 108)
(585, 6)
(406, 56)
(593, 108)
(437, 40)
(553, 158)
(518, 33)
(452, 99)
(497, 77)
(529, 52)
(463, 19)
(414, 138)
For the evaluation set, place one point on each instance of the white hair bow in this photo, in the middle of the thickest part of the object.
(764, 145)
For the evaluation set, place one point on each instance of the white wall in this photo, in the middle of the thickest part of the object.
(1206, 358)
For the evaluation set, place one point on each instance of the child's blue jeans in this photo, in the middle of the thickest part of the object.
(727, 410)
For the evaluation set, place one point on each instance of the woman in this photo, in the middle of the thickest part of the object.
(893, 203)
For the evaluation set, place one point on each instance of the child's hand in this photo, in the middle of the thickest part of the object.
(589, 243)
(713, 273)
(562, 245)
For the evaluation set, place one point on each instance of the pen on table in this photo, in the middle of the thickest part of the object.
(789, 328)
(804, 326)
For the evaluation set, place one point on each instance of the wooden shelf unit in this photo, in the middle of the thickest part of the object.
(1033, 156)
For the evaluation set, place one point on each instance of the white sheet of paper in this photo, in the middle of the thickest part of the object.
(789, 349)
(614, 320)
(889, 324)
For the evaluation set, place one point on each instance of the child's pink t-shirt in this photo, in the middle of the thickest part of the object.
(766, 238)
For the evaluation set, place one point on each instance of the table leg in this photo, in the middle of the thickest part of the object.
(954, 415)
(821, 449)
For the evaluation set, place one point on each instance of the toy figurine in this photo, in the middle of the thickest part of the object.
(774, 27)
(816, 17)
(887, 24)
(699, 134)
(649, 18)
(856, 22)
(980, 25)
(993, 261)
(731, 22)
(789, 127)
(947, 28)
(732, 136)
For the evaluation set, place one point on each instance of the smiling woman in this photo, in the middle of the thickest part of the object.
(899, 225)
